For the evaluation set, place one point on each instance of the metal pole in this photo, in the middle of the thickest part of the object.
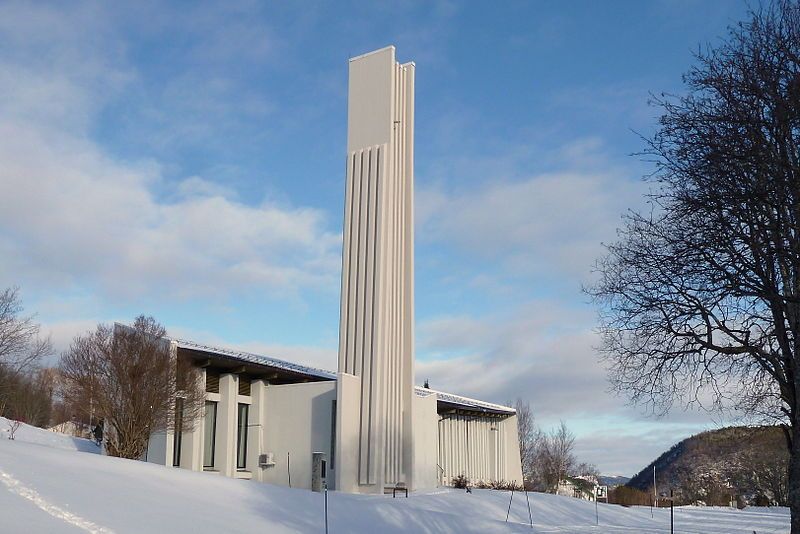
(671, 512)
(288, 470)
(596, 512)
(326, 509)
(509, 504)
(530, 516)
(655, 493)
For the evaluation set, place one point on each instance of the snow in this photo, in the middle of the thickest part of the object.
(32, 434)
(257, 358)
(460, 400)
(276, 363)
(46, 485)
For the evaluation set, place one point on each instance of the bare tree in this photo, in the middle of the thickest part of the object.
(129, 378)
(20, 343)
(528, 434)
(21, 349)
(700, 299)
(554, 458)
(587, 471)
(13, 426)
(27, 396)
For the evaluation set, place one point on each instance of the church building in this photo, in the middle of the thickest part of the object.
(365, 428)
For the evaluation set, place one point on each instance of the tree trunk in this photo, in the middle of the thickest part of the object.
(794, 475)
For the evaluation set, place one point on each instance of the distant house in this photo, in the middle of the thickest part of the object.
(577, 487)
(71, 428)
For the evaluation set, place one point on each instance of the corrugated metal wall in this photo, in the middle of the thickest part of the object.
(473, 446)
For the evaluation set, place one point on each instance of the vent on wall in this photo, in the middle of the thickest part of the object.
(212, 381)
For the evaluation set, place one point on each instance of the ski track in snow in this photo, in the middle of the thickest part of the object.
(15, 486)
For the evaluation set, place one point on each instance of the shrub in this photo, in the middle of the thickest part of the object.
(501, 485)
(460, 482)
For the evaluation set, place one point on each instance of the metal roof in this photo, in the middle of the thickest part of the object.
(257, 359)
(457, 401)
(460, 401)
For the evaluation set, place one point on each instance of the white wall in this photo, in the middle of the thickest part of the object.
(298, 420)
(481, 448)
(426, 438)
(348, 401)
(376, 336)
(513, 464)
(157, 449)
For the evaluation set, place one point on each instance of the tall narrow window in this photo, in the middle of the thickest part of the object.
(333, 433)
(177, 435)
(209, 434)
(241, 437)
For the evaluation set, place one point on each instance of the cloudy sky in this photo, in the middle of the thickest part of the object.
(186, 161)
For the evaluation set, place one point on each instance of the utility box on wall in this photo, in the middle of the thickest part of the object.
(319, 470)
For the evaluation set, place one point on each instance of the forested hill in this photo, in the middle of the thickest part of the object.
(749, 463)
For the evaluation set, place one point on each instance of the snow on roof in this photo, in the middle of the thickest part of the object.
(257, 359)
(466, 402)
(441, 396)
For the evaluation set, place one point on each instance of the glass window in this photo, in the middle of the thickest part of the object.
(333, 432)
(209, 431)
(177, 435)
(241, 437)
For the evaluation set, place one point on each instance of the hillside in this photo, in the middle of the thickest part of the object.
(748, 463)
(614, 480)
(47, 485)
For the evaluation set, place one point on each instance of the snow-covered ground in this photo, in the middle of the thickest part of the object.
(47, 486)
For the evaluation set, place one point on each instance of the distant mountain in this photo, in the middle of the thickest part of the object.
(745, 463)
(613, 480)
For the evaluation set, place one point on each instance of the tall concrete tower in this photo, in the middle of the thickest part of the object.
(374, 446)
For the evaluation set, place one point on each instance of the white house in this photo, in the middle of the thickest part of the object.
(365, 428)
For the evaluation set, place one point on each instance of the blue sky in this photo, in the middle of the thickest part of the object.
(186, 160)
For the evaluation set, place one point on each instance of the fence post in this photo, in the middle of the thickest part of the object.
(530, 516)
(326, 509)
(509, 504)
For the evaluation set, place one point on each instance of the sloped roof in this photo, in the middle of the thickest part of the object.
(464, 402)
(257, 359)
(457, 401)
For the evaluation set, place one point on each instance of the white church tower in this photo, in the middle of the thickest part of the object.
(374, 446)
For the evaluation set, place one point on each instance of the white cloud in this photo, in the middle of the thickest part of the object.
(540, 351)
(553, 222)
(543, 352)
(62, 333)
(195, 186)
(71, 214)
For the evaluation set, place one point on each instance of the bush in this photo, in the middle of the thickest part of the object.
(460, 482)
(627, 496)
(501, 485)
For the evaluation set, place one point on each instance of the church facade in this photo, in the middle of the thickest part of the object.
(364, 428)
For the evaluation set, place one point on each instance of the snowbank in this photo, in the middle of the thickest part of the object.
(45, 488)
(32, 434)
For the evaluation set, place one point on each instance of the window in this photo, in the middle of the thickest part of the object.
(241, 437)
(177, 436)
(333, 432)
(209, 434)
